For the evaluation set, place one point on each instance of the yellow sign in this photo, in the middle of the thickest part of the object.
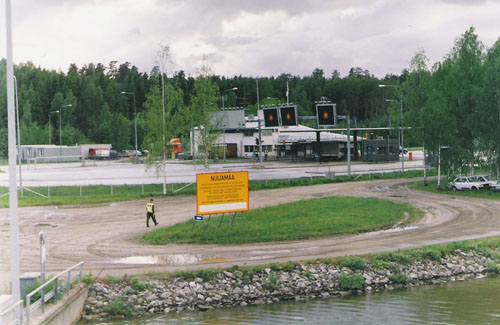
(222, 193)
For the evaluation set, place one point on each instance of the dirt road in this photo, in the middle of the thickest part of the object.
(100, 236)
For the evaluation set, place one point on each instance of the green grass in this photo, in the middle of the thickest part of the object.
(432, 187)
(292, 221)
(70, 195)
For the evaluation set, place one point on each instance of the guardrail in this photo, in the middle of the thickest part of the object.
(16, 317)
(34, 160)
(59, 287)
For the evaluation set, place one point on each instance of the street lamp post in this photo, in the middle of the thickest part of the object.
(224, 119)
(60, 129)
(135, 117)
(50, 135)
(402, 149)
(18, 139)
(13, 204)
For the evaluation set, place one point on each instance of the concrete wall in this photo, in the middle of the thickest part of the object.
(67, 311)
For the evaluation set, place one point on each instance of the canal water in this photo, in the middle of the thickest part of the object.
(474, 301)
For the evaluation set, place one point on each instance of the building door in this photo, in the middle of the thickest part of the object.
(232, 150)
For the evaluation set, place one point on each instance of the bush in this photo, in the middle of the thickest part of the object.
(353, 263)
(382, 265)
(433, 254)
(351, 282)
(136, 284)
(289, 267)
(399, 277)
(118, 307)
(493, 267)
(397, 257)
(89, 279)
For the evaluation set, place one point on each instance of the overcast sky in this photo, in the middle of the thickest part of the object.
(249, 38)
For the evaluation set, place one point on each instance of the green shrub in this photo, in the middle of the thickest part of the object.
(289, 267)
(351, 282)
(136, 284)
(273, 283)
(396, 257)
(400, 278)
(433, 254)
(326, 261)
(382, 265)
(89, 279)
(493, 267)
(118, 307)
(208, 275)
(353, 263)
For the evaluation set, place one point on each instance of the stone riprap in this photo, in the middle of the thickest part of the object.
(134, 297)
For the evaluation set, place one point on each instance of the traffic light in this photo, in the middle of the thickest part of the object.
(257, 141)
(326, 114)
(271, 117)
(288, 115)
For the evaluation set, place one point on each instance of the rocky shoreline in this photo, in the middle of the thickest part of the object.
(208, 289)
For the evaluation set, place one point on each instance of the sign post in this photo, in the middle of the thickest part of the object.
(220, 193)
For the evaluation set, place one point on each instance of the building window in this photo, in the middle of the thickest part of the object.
(248, 133)
(249, 148)
(267, 133)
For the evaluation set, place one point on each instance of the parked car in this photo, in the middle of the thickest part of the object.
(485, 180)
(495, 187)
(128, 153)
(464, 183)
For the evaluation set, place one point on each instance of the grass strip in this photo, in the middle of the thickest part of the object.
(291, 221)
(70, 195)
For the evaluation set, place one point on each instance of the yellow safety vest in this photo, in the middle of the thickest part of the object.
(150, 207)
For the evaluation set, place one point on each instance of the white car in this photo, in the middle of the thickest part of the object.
(485, 180)
(495, 187)
(465, 183)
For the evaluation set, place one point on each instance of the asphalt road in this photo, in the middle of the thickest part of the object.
(125, 173)
(103, 236)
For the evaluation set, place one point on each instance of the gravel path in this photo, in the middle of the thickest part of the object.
(100, 236)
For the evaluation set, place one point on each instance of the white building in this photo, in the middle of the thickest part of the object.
(277, 142)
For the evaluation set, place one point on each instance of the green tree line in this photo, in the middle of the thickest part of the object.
(100, 113)
(453, 104)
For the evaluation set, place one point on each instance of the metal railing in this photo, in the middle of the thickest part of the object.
(62, 282)
(16, 314)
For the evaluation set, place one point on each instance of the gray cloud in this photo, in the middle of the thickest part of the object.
(261, 37)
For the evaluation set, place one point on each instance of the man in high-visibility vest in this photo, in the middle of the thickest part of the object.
(150, 208)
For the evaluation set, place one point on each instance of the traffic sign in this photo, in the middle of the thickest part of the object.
(222, 193)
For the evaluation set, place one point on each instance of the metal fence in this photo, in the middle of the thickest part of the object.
(12, 315)
(62, 283)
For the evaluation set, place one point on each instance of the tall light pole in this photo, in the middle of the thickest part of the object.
(15, 287)
(135, 117)
(224, 119)
(18, 139)
(50, 135)
(401, 125)
(60, 129)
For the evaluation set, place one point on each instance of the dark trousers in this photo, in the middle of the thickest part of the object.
(152, 216)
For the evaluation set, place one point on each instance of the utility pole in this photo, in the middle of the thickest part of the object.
(259, 125)
(349, 146)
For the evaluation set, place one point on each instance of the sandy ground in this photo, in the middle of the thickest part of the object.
(100, 236)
